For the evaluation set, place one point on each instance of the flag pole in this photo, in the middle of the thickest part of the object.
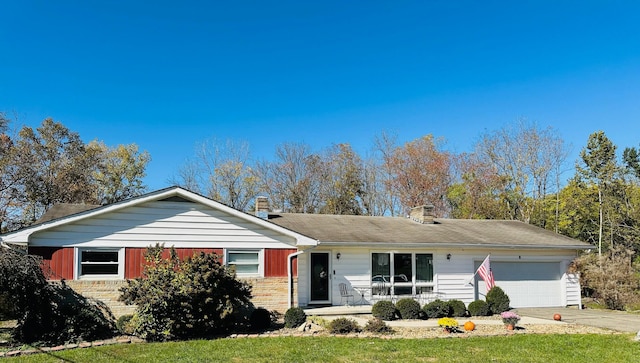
(475, 273)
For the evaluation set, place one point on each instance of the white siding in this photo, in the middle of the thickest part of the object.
(572, 286)
(454, 277)
(179, 224)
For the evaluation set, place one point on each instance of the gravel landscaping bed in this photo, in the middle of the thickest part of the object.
(493, 330)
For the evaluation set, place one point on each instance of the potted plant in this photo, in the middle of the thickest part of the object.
(449, 325)
(510, 319)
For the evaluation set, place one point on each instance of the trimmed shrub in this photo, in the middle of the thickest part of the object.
(478, 308)
(408, 308)
(378, 326)
(294, 317)
(498, 301)
(437, 309)
(458, 308)
(260, 319)
(123, 324)
(343, 326)
(384, 310)
(184, 299)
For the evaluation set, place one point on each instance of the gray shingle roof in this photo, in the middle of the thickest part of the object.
(64, 210)
(377, 230)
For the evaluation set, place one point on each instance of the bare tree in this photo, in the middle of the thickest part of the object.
(292, 179)
(381, 192)
(529, 158)
(222, 171)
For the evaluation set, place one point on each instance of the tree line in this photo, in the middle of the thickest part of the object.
(514, 173)
(51, 164)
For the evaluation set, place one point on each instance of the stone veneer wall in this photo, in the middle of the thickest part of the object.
(106, 291)
(269, 293)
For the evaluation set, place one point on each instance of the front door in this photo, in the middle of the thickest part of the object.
(319, 277)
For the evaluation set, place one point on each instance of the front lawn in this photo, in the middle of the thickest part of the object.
(517, 348)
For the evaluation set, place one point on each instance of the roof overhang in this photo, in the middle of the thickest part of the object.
(456, 245)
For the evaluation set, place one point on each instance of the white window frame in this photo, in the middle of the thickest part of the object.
(416, 286)
(260, 253)
(78, 263)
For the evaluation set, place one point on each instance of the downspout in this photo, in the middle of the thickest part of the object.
(290, 274)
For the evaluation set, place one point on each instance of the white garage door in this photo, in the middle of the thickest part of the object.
(528, 284)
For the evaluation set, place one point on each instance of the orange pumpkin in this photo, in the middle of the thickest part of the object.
(557, 317)
(469, 326)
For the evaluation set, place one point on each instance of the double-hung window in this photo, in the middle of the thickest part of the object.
(100, 263)
(246, 262)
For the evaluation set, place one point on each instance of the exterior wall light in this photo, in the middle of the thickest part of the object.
(448, 256)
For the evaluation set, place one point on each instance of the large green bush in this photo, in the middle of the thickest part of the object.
(437, 309)
(479, 308)
(498, 301)
(179, 299)
(49, 313)
(260, 319)
(458, 308)
(409, 308)
(294, 317)
(384, 310)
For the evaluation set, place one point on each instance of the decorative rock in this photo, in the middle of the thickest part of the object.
(310, 328)
(637, 338)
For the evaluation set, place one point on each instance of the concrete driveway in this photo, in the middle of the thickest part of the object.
(614, 320)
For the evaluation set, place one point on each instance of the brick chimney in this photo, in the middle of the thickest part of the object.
(423, 214)
(262, 207)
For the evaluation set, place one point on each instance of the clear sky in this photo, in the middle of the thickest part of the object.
(167, 75)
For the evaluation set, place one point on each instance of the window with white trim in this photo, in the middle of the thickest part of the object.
(107, 263)
(401, 273)
(246, 262)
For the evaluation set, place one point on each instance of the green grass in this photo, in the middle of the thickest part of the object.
(516, 348)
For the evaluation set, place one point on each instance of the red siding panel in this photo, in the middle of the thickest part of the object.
(57, 262)
(275, 261)
(134, 258)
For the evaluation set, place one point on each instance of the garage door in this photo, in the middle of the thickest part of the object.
(528, 284)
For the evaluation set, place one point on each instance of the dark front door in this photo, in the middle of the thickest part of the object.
(319, 277)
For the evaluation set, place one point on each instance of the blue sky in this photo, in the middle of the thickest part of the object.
(167, 75)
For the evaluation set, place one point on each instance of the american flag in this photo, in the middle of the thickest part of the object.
(485, 272)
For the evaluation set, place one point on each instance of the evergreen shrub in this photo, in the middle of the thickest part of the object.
(479, 308)
(408, 309)
(498, 301)
(294, 317)
(260, 319)
(437, 309)
(458, 308)
(384, 310)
